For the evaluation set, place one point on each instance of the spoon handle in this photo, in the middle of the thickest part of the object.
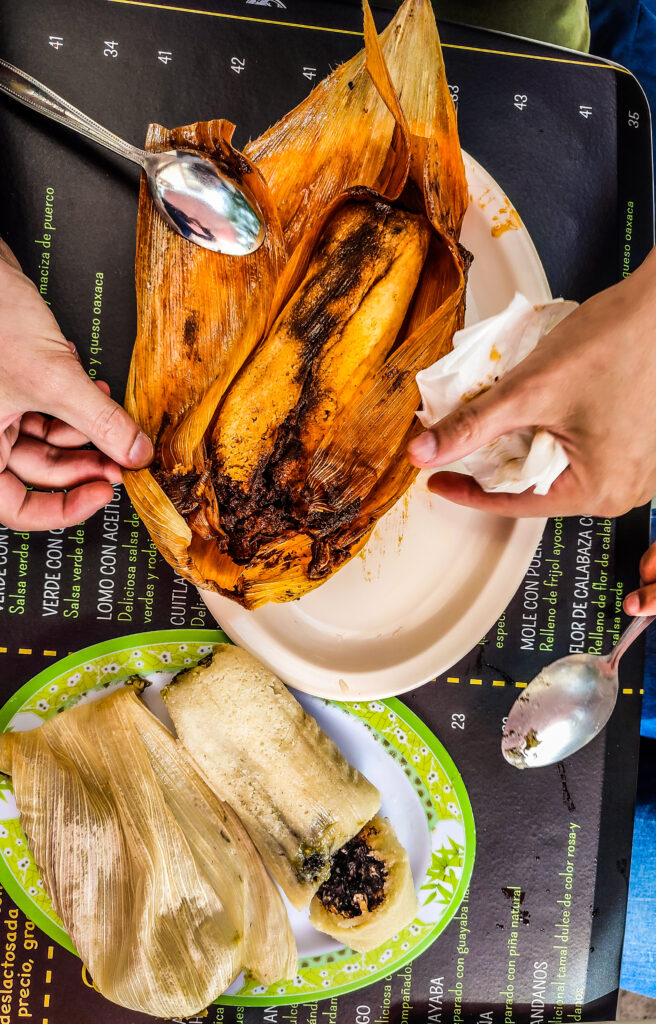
(33, 94)
(633, 630)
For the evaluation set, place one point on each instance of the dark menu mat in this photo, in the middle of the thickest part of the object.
(538, 935)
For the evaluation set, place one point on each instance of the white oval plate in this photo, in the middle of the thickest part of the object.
(434, 576)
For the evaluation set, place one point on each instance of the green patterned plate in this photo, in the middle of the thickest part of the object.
(424, 798)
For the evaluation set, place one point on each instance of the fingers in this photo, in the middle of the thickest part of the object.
(75, 399)
(470, 426)
(25, 510)
(463, 490)
(7, 255)
(55, 431)
(648, 565)
(642, 601)
(44, 465)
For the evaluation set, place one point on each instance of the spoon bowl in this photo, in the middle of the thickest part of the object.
(203, 205)
(566, 705)
(194, 196)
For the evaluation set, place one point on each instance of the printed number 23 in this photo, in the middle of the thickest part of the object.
(457, 721)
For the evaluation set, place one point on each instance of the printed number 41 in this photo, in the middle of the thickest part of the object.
(457, 721)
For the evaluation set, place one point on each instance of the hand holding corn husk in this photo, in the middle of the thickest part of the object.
(279, 388)
(482, 356)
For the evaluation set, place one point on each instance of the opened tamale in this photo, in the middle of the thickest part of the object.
(279, 388)
(295, 792)
(154, 878)
(370, 894)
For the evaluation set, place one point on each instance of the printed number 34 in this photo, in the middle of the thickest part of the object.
(457, 721)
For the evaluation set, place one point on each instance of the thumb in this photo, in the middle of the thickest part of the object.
(7, 255)
(470, 426)
(75, 399)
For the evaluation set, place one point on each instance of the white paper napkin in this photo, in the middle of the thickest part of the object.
(481, 356)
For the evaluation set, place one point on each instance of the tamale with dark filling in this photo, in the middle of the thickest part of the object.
(279, 388)
(263, 754)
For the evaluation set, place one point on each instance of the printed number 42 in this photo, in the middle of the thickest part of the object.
(457, 721)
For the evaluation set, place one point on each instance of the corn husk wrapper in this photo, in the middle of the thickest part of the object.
(154, 878)
(381, 126)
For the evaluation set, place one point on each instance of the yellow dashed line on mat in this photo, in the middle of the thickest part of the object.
(452, 679)
(51, 950)
(46, 999)
(475, 682)
(627, 689)
(642, 691)
(520, 686)
(498, 682)
(24, 650)
(48, 977)
(50, 654)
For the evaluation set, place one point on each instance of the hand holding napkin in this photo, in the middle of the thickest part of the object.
(481, 356)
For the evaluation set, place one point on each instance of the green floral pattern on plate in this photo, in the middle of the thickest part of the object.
(402, 735)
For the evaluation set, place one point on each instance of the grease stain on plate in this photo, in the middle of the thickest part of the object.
(512, 223)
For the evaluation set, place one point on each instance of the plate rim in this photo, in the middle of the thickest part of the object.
(171, 637)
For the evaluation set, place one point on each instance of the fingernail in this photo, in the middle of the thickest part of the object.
(423, 449)
(632, 604)
(141, 451)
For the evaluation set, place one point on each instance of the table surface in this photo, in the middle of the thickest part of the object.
(568, 137)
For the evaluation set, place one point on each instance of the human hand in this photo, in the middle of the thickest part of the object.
(643, 600)
(591, 383)
(50, 409)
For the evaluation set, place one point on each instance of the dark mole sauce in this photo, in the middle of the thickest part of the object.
(357, 880)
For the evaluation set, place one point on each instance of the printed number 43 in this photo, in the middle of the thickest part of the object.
(520, 101)
(457, 721)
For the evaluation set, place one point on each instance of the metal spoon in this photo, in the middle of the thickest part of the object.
(566, 705)
(199, 201)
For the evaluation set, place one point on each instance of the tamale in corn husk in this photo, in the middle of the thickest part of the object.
(260, 751)
(279, 389)
(154, 878)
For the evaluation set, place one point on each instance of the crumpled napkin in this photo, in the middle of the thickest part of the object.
(482, 355)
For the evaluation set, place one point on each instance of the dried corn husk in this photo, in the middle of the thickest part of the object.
(267, 512)
(155, 879)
